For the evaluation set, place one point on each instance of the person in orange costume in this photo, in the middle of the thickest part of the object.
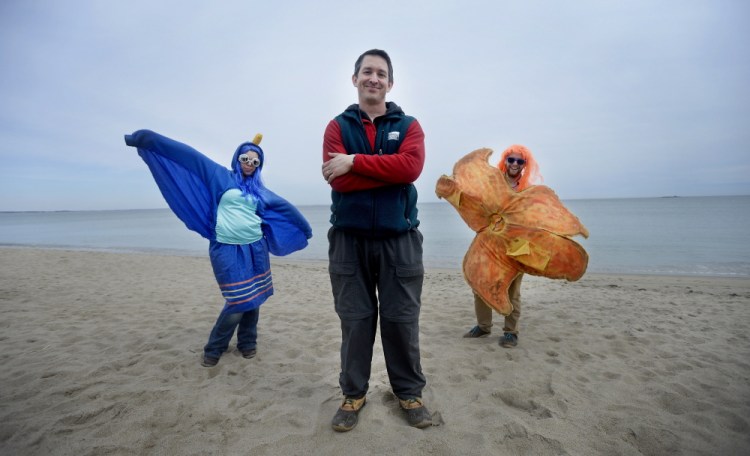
(521, 171)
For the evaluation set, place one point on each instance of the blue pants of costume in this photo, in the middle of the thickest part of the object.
(246, 324)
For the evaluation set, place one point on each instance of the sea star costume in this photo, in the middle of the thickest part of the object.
(524, 232)
(210, 200)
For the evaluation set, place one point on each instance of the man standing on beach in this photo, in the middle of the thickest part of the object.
(521, 171)
(372, 154)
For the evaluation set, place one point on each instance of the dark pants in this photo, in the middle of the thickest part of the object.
(246, 324)
(371, 278)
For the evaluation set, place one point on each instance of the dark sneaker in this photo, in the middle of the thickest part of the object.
(346, 416)
(476, 331)
(247, 354)
(209, 362)
(416, 413)
(509, 340)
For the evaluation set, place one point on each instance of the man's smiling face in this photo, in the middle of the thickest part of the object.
(372, 81)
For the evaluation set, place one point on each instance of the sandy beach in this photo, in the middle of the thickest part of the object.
(101, 356)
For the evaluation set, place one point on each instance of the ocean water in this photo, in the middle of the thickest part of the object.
(702, 236)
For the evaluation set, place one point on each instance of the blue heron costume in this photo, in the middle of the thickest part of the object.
(242, 219)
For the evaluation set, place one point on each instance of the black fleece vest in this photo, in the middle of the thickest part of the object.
(383, 211)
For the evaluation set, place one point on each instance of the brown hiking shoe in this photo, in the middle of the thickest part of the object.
(209, 362)
(416, 413)
(346, 416)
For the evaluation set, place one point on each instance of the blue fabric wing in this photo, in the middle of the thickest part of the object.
(184, 177)
(284, 226)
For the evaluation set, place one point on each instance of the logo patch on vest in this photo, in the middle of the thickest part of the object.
(393, 136)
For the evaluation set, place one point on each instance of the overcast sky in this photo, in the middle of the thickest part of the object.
(615, 98)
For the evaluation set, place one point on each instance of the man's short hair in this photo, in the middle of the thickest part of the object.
(378, 53)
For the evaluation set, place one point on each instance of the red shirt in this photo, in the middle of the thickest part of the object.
(373, 170)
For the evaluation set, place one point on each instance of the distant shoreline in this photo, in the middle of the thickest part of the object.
(324, 264)
(680, 236)
(32, 211)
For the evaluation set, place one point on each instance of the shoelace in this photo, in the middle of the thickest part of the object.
(408, 402)
(350, 403)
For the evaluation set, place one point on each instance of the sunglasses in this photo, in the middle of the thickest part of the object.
(512, 160)
(247, 160)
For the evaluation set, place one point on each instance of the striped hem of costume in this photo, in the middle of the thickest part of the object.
(258, 287)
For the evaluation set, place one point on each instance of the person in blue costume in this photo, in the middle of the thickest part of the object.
(242, 219)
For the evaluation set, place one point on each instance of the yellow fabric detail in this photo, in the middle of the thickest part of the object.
(454, 199)
(518, 247)
(529, 254)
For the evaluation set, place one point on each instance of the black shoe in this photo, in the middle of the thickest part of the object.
(346, 416)
(476, 331)
(509, 340)
(209, 362)
(247, 354)
(416, 413)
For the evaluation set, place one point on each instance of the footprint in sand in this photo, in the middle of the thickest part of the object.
(511, 399)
